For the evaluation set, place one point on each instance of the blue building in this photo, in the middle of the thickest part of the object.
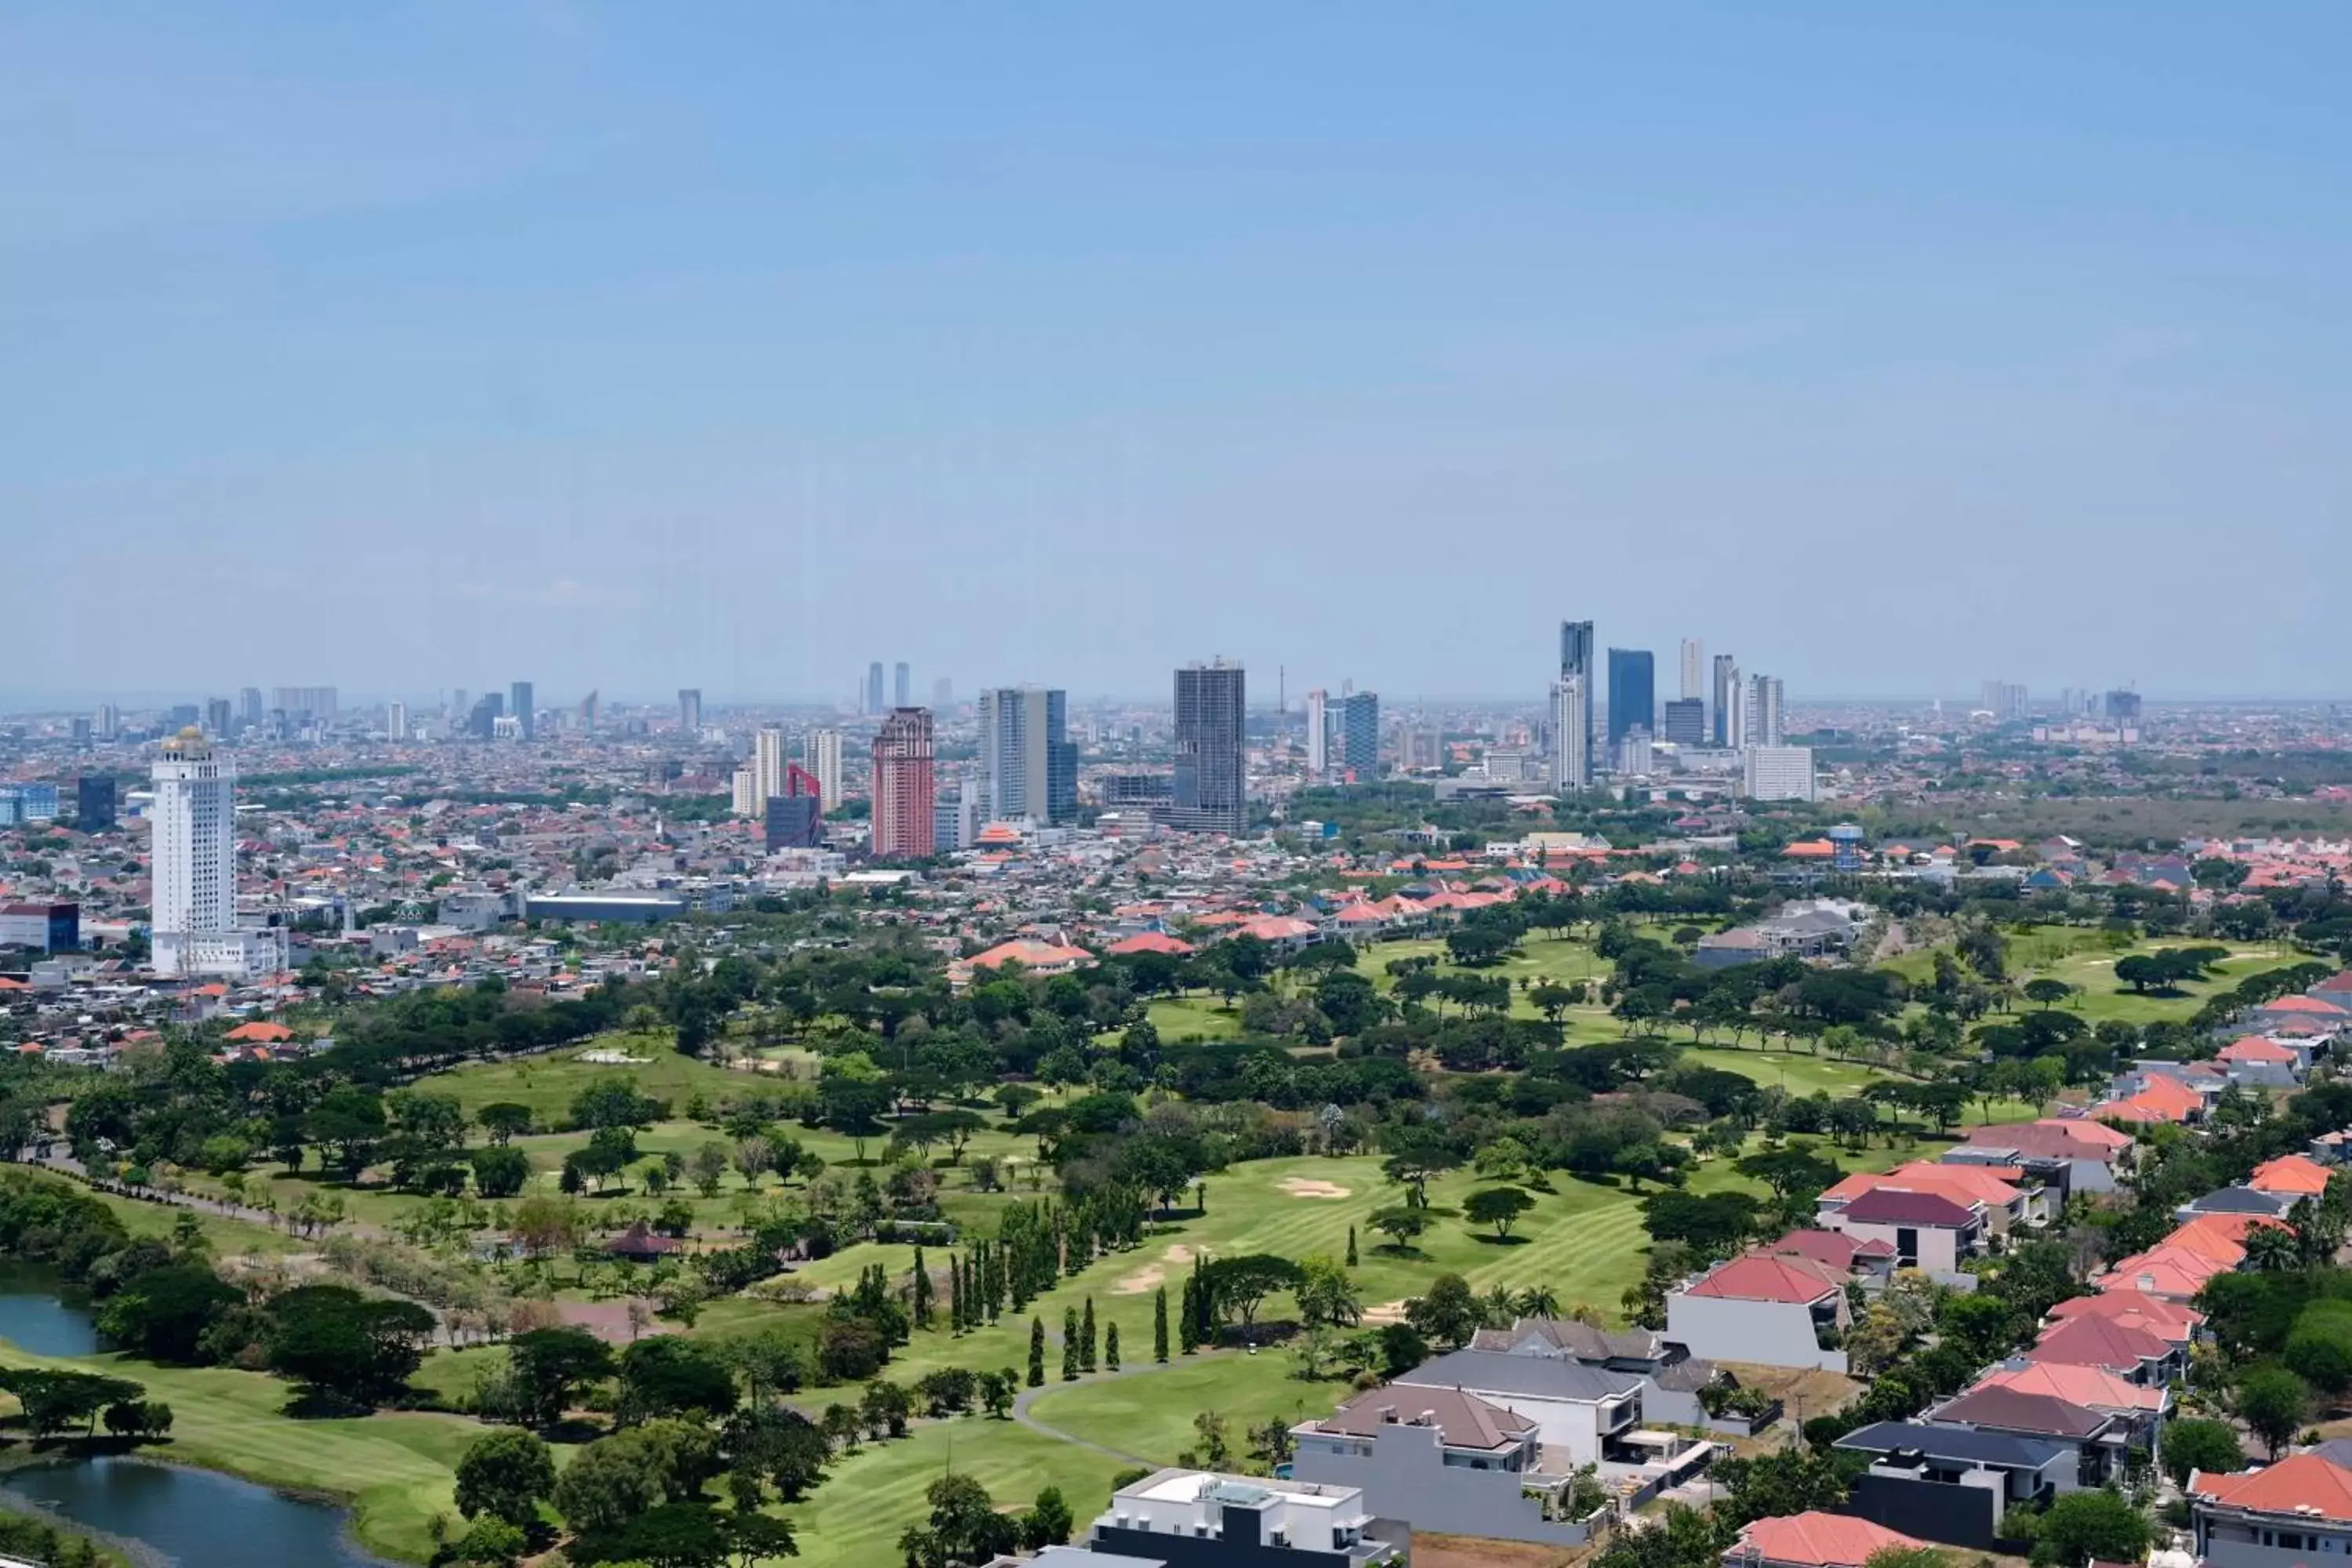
(1359, 734)
(1632, 693)
(1845, 845)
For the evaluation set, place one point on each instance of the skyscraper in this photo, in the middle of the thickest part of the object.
(873, 688)
(1693, 670)
(1360, 735)
(588, 714)
(250, 700)
(1726, 700)
(1633, 693)
(396, 720)
(521, 703)
(1571, 732)
(1318, 736)
(689, 710)
(767, 767)
(108, 721)
(901, 685)
(483, 721)
(314, 703)
(94, 802)
(942, 695)
(194, 858)
(1686, 722)
(217, 719)
(1764, 724)
(905, 792)
(823, 749)
(1210, 792)
(1028, 766)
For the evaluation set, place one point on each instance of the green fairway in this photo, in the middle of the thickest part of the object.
(397, 1469)
(547, 1084)
(1151, 1414)
(870, 1497)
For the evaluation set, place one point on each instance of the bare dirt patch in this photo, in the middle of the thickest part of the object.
(1468, 1551)
(1380, 1317)
(1151, 1276)
(1309, 1187)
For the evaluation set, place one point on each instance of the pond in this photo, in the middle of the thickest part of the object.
(38, 1314)
(188, 1518)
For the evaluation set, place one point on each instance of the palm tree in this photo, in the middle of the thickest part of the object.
(2273, 1249)
(1539, 1301)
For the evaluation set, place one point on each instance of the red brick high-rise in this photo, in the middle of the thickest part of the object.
(904, 789)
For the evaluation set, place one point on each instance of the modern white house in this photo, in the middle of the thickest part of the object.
(1579, 1412)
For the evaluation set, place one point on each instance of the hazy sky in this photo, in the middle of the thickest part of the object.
(1888, 347)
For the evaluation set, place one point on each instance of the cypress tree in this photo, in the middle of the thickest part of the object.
(1188, 1321)
(1087, 1339)
(1351, 1246)
(1036, 1353)
(1111, 1347)
(922, 1286)
(1159, 1324)
(955, 1296)
(1069, 1344)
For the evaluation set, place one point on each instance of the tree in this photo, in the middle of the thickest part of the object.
(667, 1535)
(1795, 1168)
(163, 1312)
(2273, 1402)
(997, 1391)
(1111, 1347)
(1159, 1324)
(1327, 1292)
(53, 1401)
(608, 1483)
(1237, 1285)
(1499, 1208)
(335, 1339)
(1048, 1521)
(2081, 1527)
(1447, 1313)
(504, 1475)
(1087, 1338)
(2201, 1443)
(1787, 1481)
(504, 1119)
(669, 1375)
(1399, 1224)
(1712, 1223)
(491, 1543)
(963, 1525)
(546, 1366)
(1038, 1352)
(500, 1172)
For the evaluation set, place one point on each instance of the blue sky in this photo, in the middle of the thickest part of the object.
(1890, 348)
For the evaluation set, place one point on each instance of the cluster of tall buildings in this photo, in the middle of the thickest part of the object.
(1730, 713)
(874, 702)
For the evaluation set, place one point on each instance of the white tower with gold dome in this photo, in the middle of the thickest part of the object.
(193, 858)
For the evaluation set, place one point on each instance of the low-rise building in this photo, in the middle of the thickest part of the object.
(1198, 1519)
(2291, 1513)
(1582, 1413)
(1441, 1459)
(1776, 1310)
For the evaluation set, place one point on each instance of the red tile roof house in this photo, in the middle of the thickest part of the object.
(2074, 1154)
(2255, 1060)
(1440, 1459)
(2296, 1511)
(1772, 1310)
(1812, 1540)
(1927, 1230)
(2128, 1349)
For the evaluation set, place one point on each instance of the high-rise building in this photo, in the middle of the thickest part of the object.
(902, 685)
(2007, 701)
(1779, 772)
(905, 792)
(1028, 764)
(249, 701)
(955, 818)
(873, 688)
(522, 703)
(588, 714)
(1318, 736)
(942, 695)
(218, 717)
(689, 710)
(1635, 757)
(2122, 706)
(483, 721)
(1693, 685)
(793, 822)
(77, 729)
(301, 704)
(1571, 733)
(1765, 727)
(767, 768)
(193, 861)
(94, 802)
(108, 721)
(822, 750)
(744, 794)
(1729, 729)
(396, 720)
(1632, 691)
(1360, 735)
(1210, 793)
(1685, 723)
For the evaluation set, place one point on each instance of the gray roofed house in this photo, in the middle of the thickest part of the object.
(2240, 1199)
(1674, 1376)
(1579, 1410)
(2099, 1437)
(1952, 1484)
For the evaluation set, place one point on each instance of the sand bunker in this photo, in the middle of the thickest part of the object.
(1387, 1312)
(1307, 1187)
(1151, 1276)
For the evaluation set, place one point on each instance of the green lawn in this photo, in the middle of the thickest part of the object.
(547, 1084)
(868, 1497)
(397, 1469)
(1151, 1414)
